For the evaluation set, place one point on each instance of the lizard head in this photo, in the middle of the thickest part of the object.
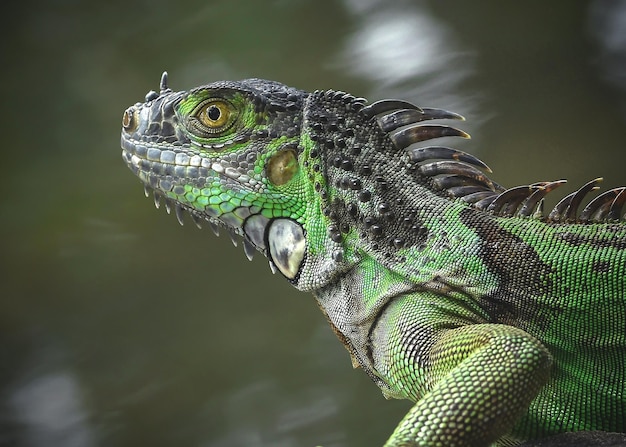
(226, 153)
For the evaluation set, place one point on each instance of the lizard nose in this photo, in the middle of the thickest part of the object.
(129, 120)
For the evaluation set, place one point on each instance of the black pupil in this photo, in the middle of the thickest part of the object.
(214, 113)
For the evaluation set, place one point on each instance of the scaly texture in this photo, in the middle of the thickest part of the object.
(499, 322)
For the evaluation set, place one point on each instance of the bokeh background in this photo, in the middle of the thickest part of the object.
(120, 328)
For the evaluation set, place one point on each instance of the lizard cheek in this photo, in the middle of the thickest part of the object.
(287, 246)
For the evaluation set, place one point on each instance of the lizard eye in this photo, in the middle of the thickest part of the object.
(216, 115)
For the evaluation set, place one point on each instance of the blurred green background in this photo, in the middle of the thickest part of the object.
(120, 328)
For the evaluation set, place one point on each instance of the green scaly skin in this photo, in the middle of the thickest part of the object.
(499, 323)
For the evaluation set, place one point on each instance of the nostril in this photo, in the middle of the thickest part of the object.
(129, 121)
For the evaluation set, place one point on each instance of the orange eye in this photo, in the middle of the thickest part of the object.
(216, 114)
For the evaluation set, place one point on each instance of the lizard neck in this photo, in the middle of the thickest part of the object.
(352, 309)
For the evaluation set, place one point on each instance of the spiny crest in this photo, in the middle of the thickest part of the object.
(338, 95)
(461, 175)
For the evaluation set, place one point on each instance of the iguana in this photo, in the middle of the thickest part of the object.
(501, 322)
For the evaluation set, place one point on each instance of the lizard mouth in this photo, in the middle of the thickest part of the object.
(165, 175)
(156, 174)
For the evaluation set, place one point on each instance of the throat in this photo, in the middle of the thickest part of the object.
(353, 303)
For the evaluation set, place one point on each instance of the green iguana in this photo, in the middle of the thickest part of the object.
(500, 323)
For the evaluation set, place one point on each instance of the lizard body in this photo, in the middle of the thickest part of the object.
(500, 323)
